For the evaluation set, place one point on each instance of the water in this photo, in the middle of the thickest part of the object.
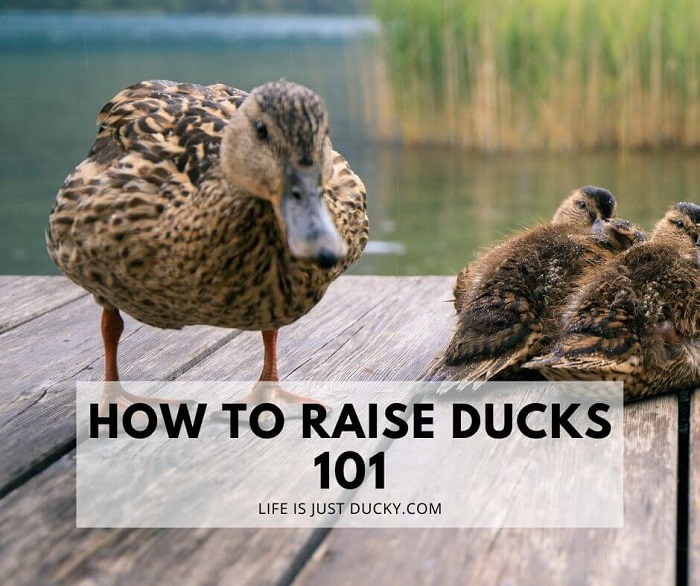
(430, 209)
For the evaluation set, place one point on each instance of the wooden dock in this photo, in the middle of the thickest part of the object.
(366, 328)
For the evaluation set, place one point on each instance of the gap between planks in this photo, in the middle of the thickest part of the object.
(694, 490)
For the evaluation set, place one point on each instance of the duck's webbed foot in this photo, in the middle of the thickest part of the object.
(268, 389)
(112, 327)
(114, 392)
(290, 404)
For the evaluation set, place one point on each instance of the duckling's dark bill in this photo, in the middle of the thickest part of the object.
(311, 233)
(598, 227)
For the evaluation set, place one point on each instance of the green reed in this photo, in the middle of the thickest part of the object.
(538, 74)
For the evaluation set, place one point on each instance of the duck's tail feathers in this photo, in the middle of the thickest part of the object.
(586, 368)
(461, 377)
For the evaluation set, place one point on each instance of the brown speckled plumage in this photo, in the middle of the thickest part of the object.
(160, 222)
(507, 299)
(637, 319)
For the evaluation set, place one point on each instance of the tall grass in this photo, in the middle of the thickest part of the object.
(538, 74)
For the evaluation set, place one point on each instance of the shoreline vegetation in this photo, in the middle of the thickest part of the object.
(533, 75)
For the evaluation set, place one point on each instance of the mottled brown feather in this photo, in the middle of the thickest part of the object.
(149, 225)
(636, 320)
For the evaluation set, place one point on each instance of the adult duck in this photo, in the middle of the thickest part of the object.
(207, 205)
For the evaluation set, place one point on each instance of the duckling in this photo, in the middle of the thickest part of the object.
(578, 211)
(207, 205)
(637, 320)
(507, 299)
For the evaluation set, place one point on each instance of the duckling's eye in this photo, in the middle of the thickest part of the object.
(678, 223)
(582, 204)
(261, 129)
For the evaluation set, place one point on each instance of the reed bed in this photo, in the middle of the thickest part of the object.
(523, 75)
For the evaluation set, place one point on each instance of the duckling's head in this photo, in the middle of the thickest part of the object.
(617, 234)
(680, 226)
(584, 206)
(276, 147)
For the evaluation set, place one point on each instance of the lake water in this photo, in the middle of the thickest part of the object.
(430, 209)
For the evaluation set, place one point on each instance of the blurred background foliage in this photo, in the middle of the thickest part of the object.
(505, 75)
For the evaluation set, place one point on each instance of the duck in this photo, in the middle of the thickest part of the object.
(208, 205)
(637, 320)
(578, 211)
(507, 299)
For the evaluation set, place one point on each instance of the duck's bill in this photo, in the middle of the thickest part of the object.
(311, 232)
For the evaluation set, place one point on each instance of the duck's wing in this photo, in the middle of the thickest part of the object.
(176, 124)
(346, 197)
(157, 132)
(584, 367)
(601, 329)
(494, 332)
(155, 143)
(500, 309)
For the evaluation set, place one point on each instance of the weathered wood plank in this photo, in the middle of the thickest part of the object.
(61, 346)
(39, 544)
(206, 556)
(397, 337)
(37, 403)
(44, 351)
(694, 496)
(25, 298)
(535, 556)
(37, 388)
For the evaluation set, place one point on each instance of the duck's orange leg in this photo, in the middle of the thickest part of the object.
(112, 328)
(267, 390)
(269, 371)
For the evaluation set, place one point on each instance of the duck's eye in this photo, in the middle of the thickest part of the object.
(678, 223)
(261, 129)
(582, 204)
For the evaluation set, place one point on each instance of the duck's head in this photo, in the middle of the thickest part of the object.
(617, 234)
(276, 147)
(584, 206)
(681, 227)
